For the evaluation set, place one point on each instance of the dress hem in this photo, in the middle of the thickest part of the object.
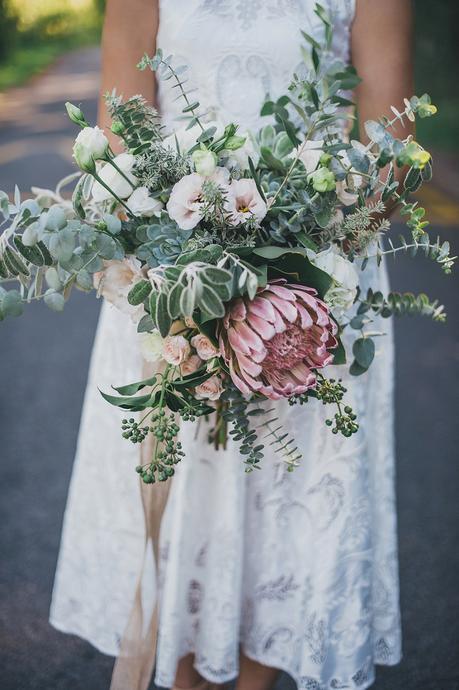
(273, 663)
(70, 630)
(259, 658)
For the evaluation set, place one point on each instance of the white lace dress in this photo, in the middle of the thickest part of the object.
(299, 569)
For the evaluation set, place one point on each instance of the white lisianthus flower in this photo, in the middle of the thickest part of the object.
(114, 180)
(151, 346)
(210, 389)
(204, 347)
(115, 282)
(239, 158)
(205, 162)
(341, 295)
(142, 204)
(245, 202)
(185, 204)
(310, 153)
(90, 145)
(176, 349)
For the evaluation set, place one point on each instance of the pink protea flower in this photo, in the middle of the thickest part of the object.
(274, 343)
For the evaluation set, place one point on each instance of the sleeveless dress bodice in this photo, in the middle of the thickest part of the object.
(238, 51)
(297, 569)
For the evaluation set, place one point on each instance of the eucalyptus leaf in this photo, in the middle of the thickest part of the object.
(61, 244)
(363, 350)
(145, 324)
(139, 292)
(11, 303)
(54, 300)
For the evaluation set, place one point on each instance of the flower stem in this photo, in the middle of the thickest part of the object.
(118, 170)
(111, 192)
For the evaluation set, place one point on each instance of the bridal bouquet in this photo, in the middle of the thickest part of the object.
(236, 253)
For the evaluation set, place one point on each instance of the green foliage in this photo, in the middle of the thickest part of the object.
(186, 288)
(161, 241)
(399, 304)
(437, 251)
(35, 33)
(331, 392)
(135, 121)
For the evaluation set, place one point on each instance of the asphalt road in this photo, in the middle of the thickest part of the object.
(43, 365)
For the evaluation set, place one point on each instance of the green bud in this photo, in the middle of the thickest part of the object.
(76, 114)
(323, 180)
(117, 127)
(233, 143)
(205, 162)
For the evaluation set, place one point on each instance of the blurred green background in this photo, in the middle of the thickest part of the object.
(34, 32)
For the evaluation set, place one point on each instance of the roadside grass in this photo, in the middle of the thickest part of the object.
(27, 61)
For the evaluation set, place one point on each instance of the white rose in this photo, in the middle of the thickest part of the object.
(311, 152)
(90, 145)
(151, 346)
(205, 162)
(340, 296)
(245, 202)
(114, 180)
(142, 204)
(176, 349)
(204, 347)
(240, 157)
(210, 389)
(115, 282)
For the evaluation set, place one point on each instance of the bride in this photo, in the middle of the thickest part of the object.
(272, 570)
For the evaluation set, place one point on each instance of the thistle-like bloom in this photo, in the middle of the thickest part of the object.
(274, 343)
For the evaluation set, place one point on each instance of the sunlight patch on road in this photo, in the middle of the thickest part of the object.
(441, 209)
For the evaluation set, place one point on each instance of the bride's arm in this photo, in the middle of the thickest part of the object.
(130, 29)
(381, 48)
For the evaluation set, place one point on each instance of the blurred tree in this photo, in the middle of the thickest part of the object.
(436, 67)
(100, 7)
(8, 29)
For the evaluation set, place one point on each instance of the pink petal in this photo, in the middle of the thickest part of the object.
(238, 311)
(265, 329)
(279, 323)
(263, 308)
(247, 364)
(238, 382)
(303, 374)
(286, 308)
(249, 336)
(282, 292)
(237, 342)
(306, 319)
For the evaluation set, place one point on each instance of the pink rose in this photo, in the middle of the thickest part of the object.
(176, 349)
(210, 389)
(204, 347)
(190, 365)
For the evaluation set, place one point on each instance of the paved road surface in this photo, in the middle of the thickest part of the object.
(44, 360)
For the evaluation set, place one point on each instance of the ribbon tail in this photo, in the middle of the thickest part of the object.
(134, 666)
